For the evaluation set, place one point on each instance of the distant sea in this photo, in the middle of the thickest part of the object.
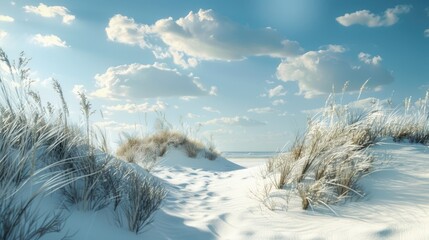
(249, 154)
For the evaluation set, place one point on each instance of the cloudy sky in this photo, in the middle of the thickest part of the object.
(244, 73)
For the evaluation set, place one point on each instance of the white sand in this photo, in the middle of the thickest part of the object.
(214, 200)
(220, 204)
(249, 162)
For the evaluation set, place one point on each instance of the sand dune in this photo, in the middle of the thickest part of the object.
(214, 200)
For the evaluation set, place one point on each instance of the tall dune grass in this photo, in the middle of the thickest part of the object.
(42, 153)
(410, 123)
(323, 165)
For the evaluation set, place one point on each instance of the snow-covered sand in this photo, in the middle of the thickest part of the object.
(249, 162)
(216, 200)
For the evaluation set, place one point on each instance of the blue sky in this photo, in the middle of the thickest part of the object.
(244, 73)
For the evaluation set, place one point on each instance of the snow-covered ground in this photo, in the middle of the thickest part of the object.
(216, 200)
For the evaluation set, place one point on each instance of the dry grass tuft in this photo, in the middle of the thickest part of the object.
(148, 149)
(323, 165)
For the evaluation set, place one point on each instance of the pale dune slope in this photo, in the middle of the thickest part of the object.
(214, 200)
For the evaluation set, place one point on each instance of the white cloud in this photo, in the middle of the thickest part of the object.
(210, 109)
(235, 121)
(180, 59)
(3, 34)
(78, 89)
(278, 102)
(125, 30)
(145, 81)
(51, 12)
(134, 108)
(192, 115)
(426, 33)
(366, 18)
(160, 53)
(118, 127)
(4, 18)
(261, 110)
(205, 35)
(201, 36)
(188, 98)
(49, 41)
(318, 71)
(213, 91)
(276, 91)
(368, 59)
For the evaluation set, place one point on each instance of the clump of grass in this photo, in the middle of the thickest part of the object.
(140, 200)
(324, 164)
(42, 153)
(24, 180)
(412, 124)
(146, 150)
(91, 190)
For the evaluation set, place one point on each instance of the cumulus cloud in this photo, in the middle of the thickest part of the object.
(235, 121)
(278, 102)
(51, 12)
(181, 59)
(318, 71)
(3, 34)
(366, 18)
(426, 33)
(276, 91)
(207, 36)
(49, 41)
(201, 36)
(4, 18)
(368, 59)
(261, 110)
(145, 81)
(210, 109)
(134, 108)
(125, 30)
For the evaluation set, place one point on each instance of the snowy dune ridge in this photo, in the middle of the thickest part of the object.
(358, 172)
